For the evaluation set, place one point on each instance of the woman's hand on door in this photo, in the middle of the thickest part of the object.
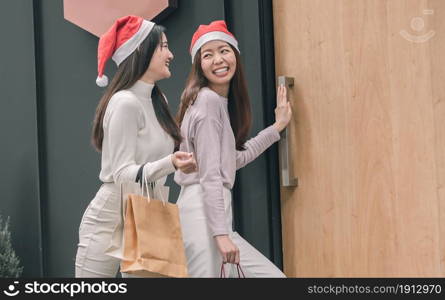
(283, 111)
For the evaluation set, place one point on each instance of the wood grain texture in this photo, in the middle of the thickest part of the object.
(368, 137)
(438, 102)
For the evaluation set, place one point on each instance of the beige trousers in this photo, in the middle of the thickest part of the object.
(98, 223)
(203, 257)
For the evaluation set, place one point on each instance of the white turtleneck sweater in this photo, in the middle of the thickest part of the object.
(133, 137)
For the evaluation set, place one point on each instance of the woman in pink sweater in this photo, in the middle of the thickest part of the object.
(215, 119)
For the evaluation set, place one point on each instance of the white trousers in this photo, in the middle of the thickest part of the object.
(203, 257)
(100, 219)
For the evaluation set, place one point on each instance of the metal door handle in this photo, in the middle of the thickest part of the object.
(287, 173)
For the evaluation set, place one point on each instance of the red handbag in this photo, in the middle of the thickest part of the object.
(238, 269)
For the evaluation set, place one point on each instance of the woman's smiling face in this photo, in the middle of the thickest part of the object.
(218, 63)
(159, 67)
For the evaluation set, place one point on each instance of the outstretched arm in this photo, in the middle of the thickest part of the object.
(257, 145)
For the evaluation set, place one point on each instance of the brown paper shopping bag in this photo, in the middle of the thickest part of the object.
(152, 240)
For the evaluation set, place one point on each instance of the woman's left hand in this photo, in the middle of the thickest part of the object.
(283, 111)
(184, 161)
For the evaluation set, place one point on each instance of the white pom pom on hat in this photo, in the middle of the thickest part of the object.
(122, 39)
(102, 81)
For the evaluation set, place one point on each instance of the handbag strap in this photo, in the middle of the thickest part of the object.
(139, 174)
(222, 274)
(238, 268)
(140, 178)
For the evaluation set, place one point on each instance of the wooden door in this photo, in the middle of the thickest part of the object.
(368, 138)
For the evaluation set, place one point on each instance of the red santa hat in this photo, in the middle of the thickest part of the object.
(217, 30)
(124, 36)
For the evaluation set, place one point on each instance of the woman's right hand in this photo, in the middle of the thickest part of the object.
(229, 251)
(283, 112)
(184, 161)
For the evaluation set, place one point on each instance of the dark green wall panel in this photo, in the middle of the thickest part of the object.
(19, 172)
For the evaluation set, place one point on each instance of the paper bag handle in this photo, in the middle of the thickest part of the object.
(140, 178)
(238, 269)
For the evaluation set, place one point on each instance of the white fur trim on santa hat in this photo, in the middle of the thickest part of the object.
(130, 45)
(212, 36)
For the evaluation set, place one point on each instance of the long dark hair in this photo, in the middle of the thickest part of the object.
(238, 98)
(128, 72)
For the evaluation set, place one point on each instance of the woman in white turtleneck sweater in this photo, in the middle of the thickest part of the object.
(134, 131)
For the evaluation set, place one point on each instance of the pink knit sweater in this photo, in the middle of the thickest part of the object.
(207, 132)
